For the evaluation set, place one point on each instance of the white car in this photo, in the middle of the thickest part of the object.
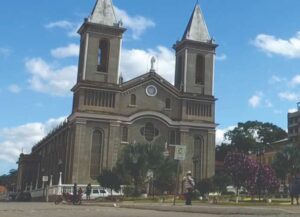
(97, 193)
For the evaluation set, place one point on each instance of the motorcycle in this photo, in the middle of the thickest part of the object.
(69, 198)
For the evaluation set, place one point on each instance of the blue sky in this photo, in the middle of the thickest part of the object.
(257, 73)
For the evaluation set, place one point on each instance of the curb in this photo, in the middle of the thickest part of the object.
(227, 210)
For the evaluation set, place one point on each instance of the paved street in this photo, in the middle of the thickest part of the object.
(51, 210)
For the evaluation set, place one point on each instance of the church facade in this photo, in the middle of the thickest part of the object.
(109, 114)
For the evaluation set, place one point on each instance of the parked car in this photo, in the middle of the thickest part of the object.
(97, 193)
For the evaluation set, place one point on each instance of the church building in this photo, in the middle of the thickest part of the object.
(109, 114)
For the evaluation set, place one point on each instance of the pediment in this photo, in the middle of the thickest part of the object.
(149, 79)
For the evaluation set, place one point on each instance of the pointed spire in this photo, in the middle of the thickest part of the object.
(103, 13)
(196, 29)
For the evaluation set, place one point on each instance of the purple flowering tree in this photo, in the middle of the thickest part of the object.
(265, 180)
(269, 179)
(241, 169)
(248, 173)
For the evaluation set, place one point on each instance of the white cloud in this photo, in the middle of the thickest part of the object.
(5, 52)
(220, 135)
(276, 79)
(14, 140)
(222, 57)
(285, 47)
(255, 100)
(295, 80)
(289, 96)
(268, 103)
(292, 110)
(49, 79)
(73, 31)
(14, 88)
(64, 24)
(259, 100)
(137, 24)
(72, 50)
(71, 27)
(135, 62)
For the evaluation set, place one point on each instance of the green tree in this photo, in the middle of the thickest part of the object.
(280, 166)
(205, 186)
(287, 162)
(109, 179)
(250, 135)
(222, 150)
(221, 180)
(165, 175)
(9, 180)
(136, 160)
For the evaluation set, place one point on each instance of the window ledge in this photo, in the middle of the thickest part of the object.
(199, 85)
(132, 106)
(101, 73)
(168, 109)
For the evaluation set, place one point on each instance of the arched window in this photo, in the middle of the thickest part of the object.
(96, 154)
(103, 55)
(125, 134)
(168, 103)
(200, 69)
(133, 99)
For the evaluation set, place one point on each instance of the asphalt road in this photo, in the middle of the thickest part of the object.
(50, 210)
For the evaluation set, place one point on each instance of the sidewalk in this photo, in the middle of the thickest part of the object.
(204, 208)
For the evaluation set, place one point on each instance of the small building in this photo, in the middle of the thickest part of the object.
(294, 126)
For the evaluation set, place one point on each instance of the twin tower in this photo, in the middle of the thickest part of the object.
(101, 42)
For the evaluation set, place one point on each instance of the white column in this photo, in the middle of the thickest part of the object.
(51, 177)
(59, 183)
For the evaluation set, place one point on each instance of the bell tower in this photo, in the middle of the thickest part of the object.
(100, 45)
(195, 56)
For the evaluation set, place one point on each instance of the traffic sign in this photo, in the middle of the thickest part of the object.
(180, 152)
(45, 178)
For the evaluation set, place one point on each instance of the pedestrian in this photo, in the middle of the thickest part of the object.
(80, 191)
(189, 185)
(88, 191)
(295, 189)
(74, 193)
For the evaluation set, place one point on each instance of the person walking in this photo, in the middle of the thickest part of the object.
(189, 185)
(295, 189)
(88, 191)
